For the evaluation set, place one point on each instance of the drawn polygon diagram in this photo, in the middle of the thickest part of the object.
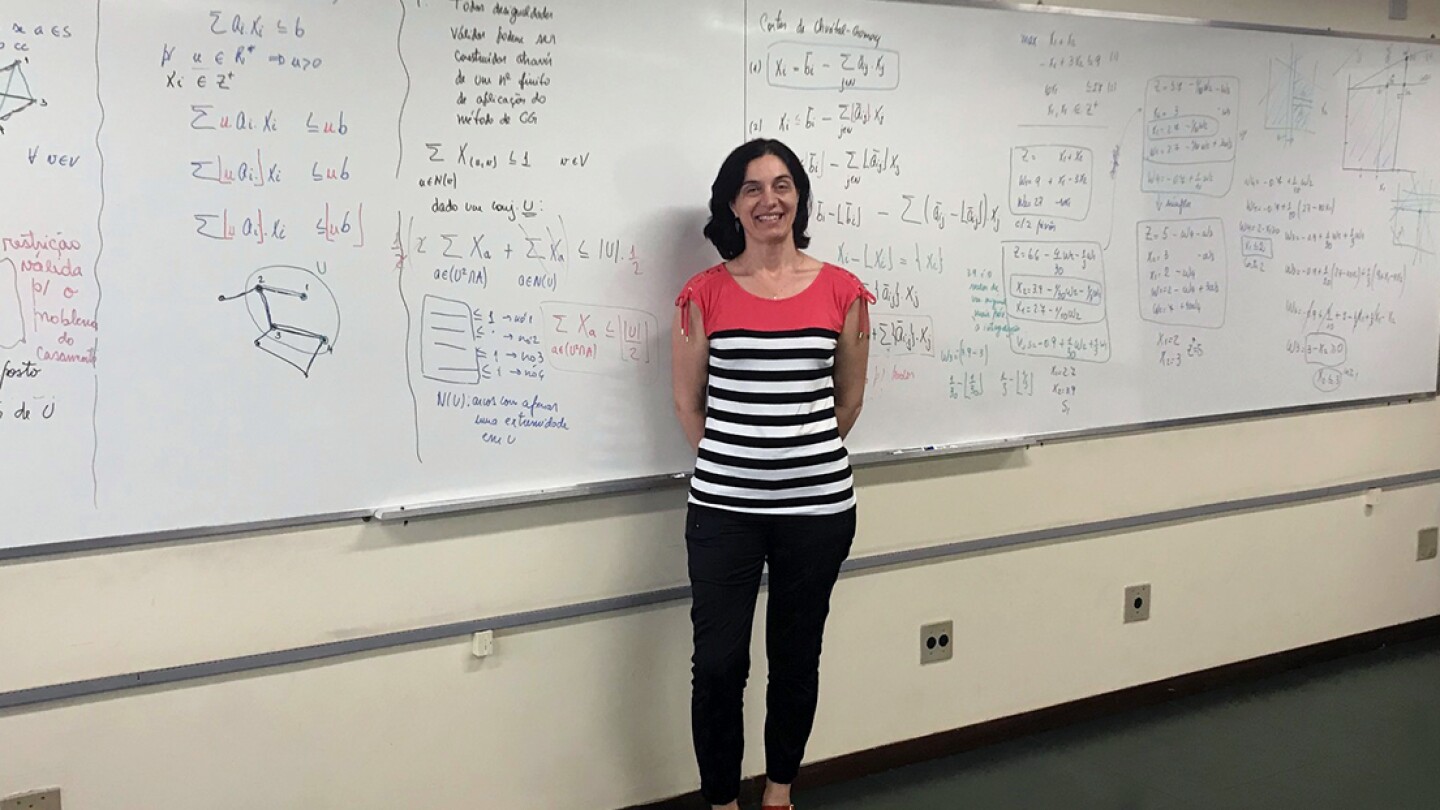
(12, 312)
(15, 92)
(295, 312)
(1412, 214)
(1374, 112)
(1290, 99)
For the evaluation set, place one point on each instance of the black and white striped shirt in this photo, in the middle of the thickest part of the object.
(772, 444)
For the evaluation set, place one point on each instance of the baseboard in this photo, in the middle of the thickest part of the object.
(955, 741)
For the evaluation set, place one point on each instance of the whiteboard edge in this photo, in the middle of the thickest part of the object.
(92, 687)
(401, 512)
(1137, 16)
(456, 506)
(12, 553)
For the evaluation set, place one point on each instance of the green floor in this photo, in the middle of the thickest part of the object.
(1358, 733)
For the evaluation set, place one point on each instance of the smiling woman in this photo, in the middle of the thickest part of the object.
(766, 204)
(769, 354)
(749, 170)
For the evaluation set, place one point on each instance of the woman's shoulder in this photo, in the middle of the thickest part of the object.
(701, 288)
(705, 278)
(845, 282)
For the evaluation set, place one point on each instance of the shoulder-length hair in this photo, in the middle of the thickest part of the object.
(723, 230)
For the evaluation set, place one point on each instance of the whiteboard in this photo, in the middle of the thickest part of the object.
(290, 259)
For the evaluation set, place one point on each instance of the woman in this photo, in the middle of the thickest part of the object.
(769, 353)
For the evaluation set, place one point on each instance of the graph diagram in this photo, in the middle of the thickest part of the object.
(1412, 219)
(295, 312)
(15, 93)
(1374, 113)
(1290, 98)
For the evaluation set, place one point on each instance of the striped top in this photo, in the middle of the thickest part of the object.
(772, 444)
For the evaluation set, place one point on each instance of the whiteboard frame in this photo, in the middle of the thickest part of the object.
(1137, 16)
(405, 512)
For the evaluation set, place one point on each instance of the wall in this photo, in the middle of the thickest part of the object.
(593, 713)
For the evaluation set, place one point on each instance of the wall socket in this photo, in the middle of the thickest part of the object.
(1137, 603)
(937, 642)
(39, 800)
(1425, 547)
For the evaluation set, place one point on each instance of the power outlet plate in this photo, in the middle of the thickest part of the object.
(1137, 603)
(1425, 547)
(937, 642)
(39, 800)
(482, 643)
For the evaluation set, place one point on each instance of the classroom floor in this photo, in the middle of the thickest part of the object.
(1357, 733)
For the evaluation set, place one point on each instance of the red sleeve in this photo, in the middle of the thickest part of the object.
(847, 288)
(700, 290)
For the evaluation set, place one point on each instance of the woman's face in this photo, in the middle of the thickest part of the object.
(765, 204)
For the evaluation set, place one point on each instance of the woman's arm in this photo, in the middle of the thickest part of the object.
(852, 355)
(689, 373)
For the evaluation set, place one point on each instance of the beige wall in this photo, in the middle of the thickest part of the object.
(593, 713)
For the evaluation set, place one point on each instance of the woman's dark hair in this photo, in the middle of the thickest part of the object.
(723, 230)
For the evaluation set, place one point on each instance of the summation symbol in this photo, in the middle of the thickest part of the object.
(295, 312)
(15, 92)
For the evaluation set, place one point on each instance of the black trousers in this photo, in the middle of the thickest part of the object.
(726, 553)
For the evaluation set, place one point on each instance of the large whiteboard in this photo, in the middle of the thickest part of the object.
(297, 258)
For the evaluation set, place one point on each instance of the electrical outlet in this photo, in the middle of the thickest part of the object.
(937, 642)
(1137, 603)
(1425, 548)
(39, 800)
(482, 643)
